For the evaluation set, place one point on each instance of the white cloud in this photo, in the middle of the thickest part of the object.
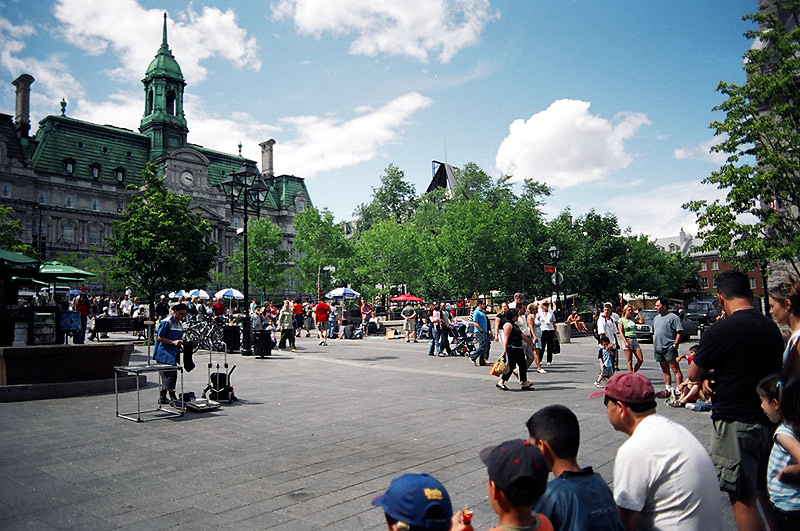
(565, 145)
(134, 34)
(53, 80)
(330, 143)
(413, 28)
(702, 152)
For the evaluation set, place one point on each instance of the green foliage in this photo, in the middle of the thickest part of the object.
(758, 218)
(101, 264)
(158, 243)
(392, 200)
(320, 243)
(266, 260)
(10, 230)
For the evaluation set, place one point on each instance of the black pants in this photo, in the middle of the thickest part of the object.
(444, 340)
(547, 343)
(516, 359)
(287, 333)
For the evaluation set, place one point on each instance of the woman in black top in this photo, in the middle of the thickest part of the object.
(512, 348)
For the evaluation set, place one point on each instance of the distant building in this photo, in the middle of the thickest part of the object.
(68, 182)
(709, 262)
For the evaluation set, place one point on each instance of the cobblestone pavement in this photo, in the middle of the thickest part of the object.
(315, 436)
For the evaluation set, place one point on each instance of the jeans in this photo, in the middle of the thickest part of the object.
(482, 352)
(435, 341)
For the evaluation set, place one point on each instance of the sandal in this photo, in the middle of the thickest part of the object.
(502, 386)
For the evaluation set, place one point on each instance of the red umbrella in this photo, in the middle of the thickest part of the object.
(406, 297)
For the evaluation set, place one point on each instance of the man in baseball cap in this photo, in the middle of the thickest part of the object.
(419, 502)
(663, 476)
(517, 479)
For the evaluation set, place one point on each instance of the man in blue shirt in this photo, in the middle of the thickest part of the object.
(481, 324)
(169, 339)
(576, 499)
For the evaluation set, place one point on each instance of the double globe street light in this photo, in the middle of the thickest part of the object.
(555, 254)
(245, 188)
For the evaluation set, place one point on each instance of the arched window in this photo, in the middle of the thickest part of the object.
(94, 235)
(171, 102)
(69, 233)
(148, 109)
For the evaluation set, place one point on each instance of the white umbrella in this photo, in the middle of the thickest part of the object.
(342, 293)
(229, 293)
(179, 293)
(203, 294)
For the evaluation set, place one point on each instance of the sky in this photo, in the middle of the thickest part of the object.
(607, 102)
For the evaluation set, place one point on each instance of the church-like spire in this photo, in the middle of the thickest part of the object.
(164, 35)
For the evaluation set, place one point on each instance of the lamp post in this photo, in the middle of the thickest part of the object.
(245, 188)
(555, 254)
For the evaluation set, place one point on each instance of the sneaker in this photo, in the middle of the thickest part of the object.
(325, 343)
(321, 341)
(541, 371)
(549, 363)
(598, 384)
(293, 350)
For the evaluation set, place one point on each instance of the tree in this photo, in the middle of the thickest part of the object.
(320, 243)
(758, 218)
(10, 230)
(392, 200)
(159, 244)
(266, 260)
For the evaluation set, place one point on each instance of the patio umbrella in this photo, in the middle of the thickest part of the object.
(203, 294)
(17, 263)
(406, 297)
(342, 293)
(179, 293)
(56, 270)
(229, 293)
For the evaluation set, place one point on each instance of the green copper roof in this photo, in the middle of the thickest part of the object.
(164, 64)
(87, 145)
(287, 187)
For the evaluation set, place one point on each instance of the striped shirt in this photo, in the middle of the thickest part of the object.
(785, 496)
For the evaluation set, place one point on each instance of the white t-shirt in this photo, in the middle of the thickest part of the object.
(664, 472)
(609, 328)
(547, 319)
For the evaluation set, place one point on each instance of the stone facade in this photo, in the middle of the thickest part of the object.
(70, 180)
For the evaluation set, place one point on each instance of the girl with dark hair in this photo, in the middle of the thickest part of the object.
(512, 348)
(784, 304)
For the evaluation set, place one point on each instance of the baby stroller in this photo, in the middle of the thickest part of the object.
(466, 342)
(423, 329)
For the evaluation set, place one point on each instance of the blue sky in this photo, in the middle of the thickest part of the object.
(608, 102)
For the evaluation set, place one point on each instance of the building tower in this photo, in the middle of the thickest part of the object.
(163, 120)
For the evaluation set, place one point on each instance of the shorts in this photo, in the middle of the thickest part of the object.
(607, 372)
(633, 344)
(740, 453)
(322, 325)
(670, 354)
(408, 326)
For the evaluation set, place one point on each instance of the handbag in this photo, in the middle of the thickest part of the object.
(499, 367)
(556, 344)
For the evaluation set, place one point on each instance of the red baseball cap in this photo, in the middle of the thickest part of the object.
(630, 387)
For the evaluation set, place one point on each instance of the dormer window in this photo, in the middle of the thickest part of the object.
(69, 167)
(119, 174)
(94, 170)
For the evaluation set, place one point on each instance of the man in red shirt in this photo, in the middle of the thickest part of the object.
(321, 312)
(218, 308)
(297, 317)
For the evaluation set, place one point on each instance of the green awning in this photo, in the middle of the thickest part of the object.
(17, 263)
(57, 271)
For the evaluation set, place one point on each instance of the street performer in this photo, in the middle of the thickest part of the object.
(169, 340)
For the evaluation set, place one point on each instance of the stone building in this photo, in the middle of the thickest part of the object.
(70, 180)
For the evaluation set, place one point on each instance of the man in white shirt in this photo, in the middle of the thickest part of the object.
(607, 326)
(663, 476)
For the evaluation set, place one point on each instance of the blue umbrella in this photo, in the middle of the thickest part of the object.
(203, 294)
(229, 293)
(179, 293)
(342, 293)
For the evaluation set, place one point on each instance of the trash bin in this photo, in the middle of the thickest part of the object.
(230, 335)
(261, 343)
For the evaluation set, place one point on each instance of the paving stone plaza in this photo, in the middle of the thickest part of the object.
(314, 437)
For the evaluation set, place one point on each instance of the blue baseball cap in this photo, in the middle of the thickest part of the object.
(411, 496)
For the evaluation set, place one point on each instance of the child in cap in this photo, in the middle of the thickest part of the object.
(419, 502)
(606, 357)
(517, 479)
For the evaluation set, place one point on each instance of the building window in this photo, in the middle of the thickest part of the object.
(69, 201)
(69, 167)
(752, 283)
(94, 235)
(704, 282)
(69, 233)
(714, 282)
(703, 266)
(95, 204)
(673, 248)
(714, 265)
(94, 169)
(42, 199)
(119, 174)
(5, 190)
(301, 205)
(171, 102)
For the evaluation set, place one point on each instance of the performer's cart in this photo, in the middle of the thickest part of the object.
(161, 410)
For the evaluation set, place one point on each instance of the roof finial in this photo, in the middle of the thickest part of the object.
(63, 107)
(164, 37)
(240, 148)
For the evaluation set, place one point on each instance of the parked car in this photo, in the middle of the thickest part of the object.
(703, 312)
(645, 330)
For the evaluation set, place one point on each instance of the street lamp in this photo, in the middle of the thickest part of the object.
(555, 254)
(245, 188)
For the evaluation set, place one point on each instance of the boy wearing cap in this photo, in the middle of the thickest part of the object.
(663, 476)
(576, 499)
(418, 502)
(517, 478)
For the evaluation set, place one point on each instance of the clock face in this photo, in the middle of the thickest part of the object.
(187, 179)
